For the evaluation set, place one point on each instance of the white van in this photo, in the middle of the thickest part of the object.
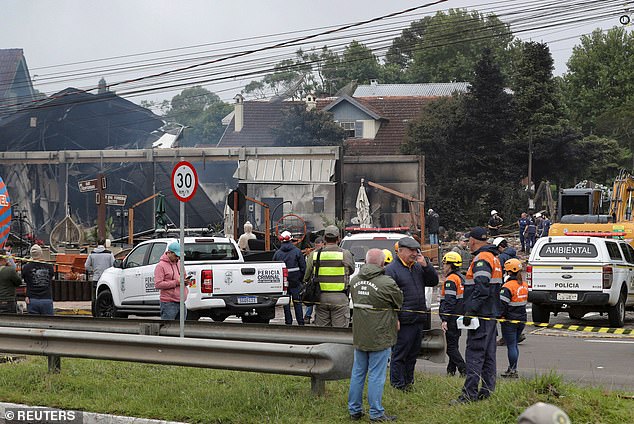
(580, 274)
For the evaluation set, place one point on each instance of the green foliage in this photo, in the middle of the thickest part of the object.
(618, 123)
(301, 127)
(600, 75)
(201, 111)
(198, 395)
(447, 46)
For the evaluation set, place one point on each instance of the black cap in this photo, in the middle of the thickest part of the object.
(409, 242)
(478, 233)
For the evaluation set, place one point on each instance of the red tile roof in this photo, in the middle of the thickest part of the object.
(399, 111)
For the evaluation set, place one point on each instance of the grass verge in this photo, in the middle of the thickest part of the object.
(212, 396)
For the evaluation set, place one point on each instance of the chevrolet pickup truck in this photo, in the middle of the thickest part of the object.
(222, 283)
(581, 274)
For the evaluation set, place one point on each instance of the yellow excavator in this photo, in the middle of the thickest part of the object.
(581, 211)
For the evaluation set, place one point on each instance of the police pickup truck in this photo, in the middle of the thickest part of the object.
(580, 274)
(221, 284)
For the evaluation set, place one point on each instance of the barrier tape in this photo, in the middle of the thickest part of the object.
(571, 327)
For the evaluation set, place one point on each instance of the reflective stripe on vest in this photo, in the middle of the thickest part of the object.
(496, 277)
(457, 280)
(332, 272)
(519, 293)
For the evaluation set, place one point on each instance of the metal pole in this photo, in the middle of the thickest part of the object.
(182, 271)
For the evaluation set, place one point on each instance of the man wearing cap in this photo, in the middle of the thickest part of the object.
(335, 267)
(481, 299)
(433, 225)
(9, 280)
(462, 248)
(167, 279)
(412, 273)
(38, 276)
(296, 267)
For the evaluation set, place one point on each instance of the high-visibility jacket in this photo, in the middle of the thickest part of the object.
(482, 284)
(451, 297)
(514, 296)
(332, 271)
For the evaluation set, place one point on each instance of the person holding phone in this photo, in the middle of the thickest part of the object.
(167, 279)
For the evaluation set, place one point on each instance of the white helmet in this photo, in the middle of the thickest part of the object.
(498, 240)
(494, 212)
(538, 215)
(543, 413)
(430, 210)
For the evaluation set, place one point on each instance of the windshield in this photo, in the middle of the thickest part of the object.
(359, 248)
(210, 251)
(568, 250)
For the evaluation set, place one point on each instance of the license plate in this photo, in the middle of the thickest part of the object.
(243, 300)
(566, 296)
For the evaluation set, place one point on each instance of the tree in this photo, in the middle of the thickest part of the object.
(301, 127)
(600, 76)
(618, 123)
(447, 46)
(200, 110)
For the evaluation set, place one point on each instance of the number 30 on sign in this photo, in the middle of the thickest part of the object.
(184, 181)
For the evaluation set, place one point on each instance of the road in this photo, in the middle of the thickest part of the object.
(585, 358)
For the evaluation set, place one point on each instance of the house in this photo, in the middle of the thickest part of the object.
(16, 89)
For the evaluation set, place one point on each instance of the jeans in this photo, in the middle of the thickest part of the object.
(309, 311)
(297, 305)
(433, 238)
(40, 306)
(404, 355)
(374, 364)
(171, 310)
(511, 333)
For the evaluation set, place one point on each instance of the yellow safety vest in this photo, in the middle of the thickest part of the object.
(332, 272)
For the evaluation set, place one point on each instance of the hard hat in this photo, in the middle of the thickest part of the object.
(537, 215)
(543, 413)
(430, 210)
(499, 240)
(388, 256)
(513, 265)
(285, 236)
(494, 212)
(452, 258)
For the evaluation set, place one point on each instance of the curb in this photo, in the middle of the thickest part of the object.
(82, 417)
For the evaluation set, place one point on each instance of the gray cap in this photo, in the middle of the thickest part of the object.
(408, 242)
(543, 413)
(331, 231)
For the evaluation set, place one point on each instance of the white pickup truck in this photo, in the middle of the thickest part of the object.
(222, 282)
(580, 274)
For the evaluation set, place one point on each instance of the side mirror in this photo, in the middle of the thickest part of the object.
(118, 263)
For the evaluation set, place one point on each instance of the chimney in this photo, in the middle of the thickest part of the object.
(374, 82)
(311, 102)
(238, 118)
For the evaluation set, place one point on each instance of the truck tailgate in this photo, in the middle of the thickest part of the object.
(568, 277)
(248, 278)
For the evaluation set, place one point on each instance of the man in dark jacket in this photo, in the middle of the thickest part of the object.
(376, 299)
(296, 266)
(433, 225)
(38, 276)
(9, 280)
(506, 252)
(481, 299)
(412, 273)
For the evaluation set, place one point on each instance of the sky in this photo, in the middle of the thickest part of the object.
(73, 43)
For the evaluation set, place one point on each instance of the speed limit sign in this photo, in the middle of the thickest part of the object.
(184, 181)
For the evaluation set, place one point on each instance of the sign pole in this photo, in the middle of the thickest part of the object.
(182, 271)
(101, 207)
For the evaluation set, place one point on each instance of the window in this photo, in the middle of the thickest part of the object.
(137, 256)
(318, 204)
(628, 252)
(352, 128)
(613, 251)
(210, 251)
(157, 251)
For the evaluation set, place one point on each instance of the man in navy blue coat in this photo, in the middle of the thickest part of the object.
(412, 273)
(296, 266)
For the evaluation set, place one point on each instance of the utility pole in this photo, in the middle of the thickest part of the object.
(101, 207)
(531, 199)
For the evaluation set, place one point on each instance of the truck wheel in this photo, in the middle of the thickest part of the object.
(616, 313)
(104, 306)
(541, 314)
(193, 315)
(257, 319)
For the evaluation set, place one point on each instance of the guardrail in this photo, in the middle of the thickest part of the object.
(317, 352)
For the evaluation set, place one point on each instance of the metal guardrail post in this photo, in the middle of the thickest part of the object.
(317, 386)
(54, 364)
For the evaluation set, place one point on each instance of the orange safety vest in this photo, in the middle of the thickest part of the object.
(496, 276)
(519, 292)
(459, 292)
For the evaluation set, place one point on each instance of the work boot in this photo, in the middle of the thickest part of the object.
(307, 319)
(501, 342)
(356, 416)
(521, 338)
(461, 400)
(509, 373)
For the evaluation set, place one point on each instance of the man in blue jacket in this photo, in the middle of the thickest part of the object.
(296, 266)
(412, 273)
